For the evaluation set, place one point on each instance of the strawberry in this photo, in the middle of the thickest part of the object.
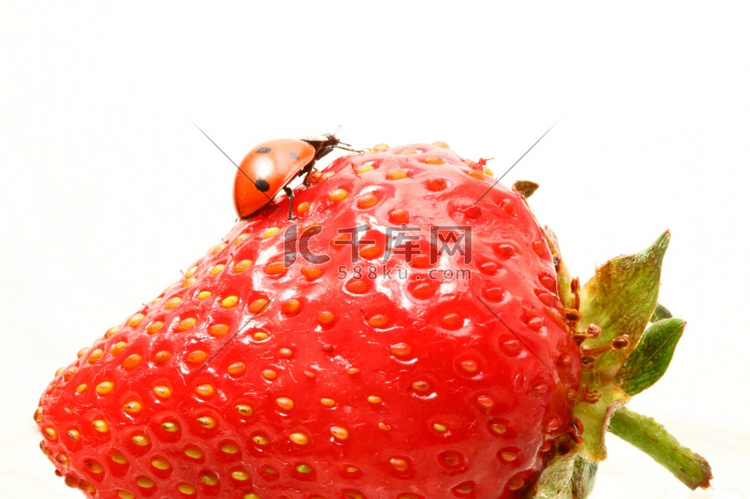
(412, 334)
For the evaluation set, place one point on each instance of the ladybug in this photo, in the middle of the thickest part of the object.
(272, 165)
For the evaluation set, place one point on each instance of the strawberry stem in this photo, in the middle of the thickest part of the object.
(651, 437)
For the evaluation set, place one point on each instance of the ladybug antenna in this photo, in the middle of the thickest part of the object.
(252, 180)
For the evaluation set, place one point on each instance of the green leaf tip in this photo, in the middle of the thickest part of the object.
(651, 357)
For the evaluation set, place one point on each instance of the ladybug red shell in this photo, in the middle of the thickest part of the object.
(270, 166)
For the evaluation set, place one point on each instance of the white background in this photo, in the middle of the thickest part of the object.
(108, 191)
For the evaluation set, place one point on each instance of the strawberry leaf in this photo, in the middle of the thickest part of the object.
(621, 298)
(651, 357)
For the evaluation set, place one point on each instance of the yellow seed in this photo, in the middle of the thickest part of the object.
(384, 426)
(117, 348)
(409, 151)
(275, 268)
(475, 174)
(82, 388)
(351, 469)
(352, 371)
(186, 324)
(205, 390)
(487, 171)
(270, 232)
(240, 475)
(237, 368)
(241, 238)
(396, 174)
(285, 352)
(257, 305)
(118, 457)
(339, 433)
(209, 479)
(269, 374)
(229, 301)
(498, 428)
(154, 327)
(162, 356)
(260, 335)
(470, 366)
(172, 303)
(244, 409)
(299, 438)
(367, 201)
(193, 452)
(328, 402)
(516, 483)
(401, 349)
(230, 448)
(216, 269)
(189, 282)
(111, 332)
(140, 440)
(291, 306)
(285, 403)
(124, 494)
(218, 330)
(206, 422)
(50, 433)
(326, 318)
(133, 407)
(162, 391)
(439, 427)
(380, 147)
(441, 144)
(374, 399)
(203, 295)
(160, 463)
(100, 425)
(363, 169)
(303, 207)
(378, 320)
(136, 319)
(83, 351)
(433, 160)
(399, 464)
(170, 427)
(241, 266)
(304, 468)
(260, 440)
(191, 272)
(311, 273)
(217, 249)
(94, 466)
(338, 195)
(131, 361)
(145, 482)
(74, 435)
(186, 489)
(196, 356)
(95, 355)
(508, 455)
(251, 495)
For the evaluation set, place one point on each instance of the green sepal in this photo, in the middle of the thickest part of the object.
(661, 312)
(621, 298)
(595, 419)
(650, 359)
(566, 477)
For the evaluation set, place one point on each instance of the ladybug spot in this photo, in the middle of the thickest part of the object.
(261, 184)
(293, 155)
(263, 150)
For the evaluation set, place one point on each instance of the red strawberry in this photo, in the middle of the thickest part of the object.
(399, 340)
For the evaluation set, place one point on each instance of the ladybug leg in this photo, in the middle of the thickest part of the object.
(307, 171)
(290, 195)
